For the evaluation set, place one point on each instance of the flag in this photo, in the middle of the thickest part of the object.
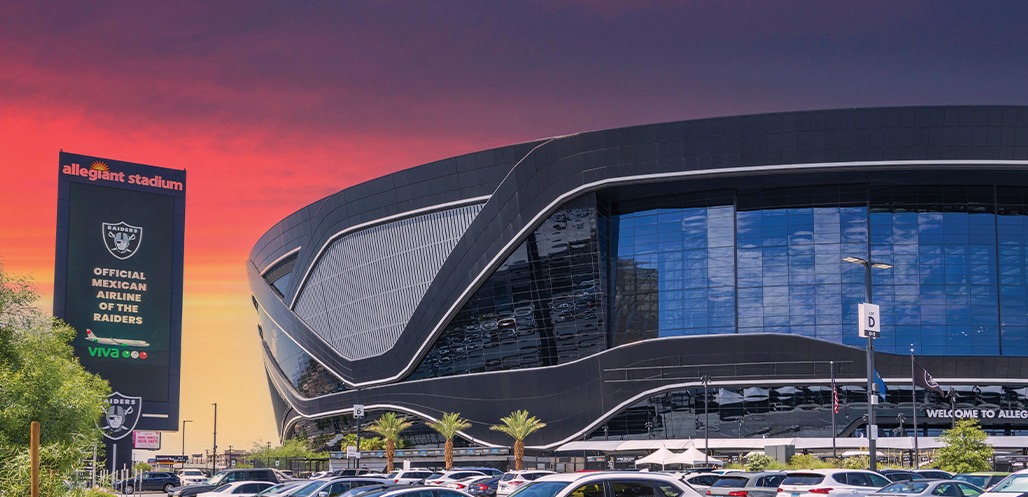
(835, 399)
(925, 380)
(880, 383)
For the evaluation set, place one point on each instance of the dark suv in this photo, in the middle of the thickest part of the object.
(149, 480)
(228, 476)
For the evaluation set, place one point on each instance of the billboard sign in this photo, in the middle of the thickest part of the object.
(118, 277)
(148, 440)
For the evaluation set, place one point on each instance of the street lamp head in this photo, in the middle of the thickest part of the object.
(881, 265)
(855, 260)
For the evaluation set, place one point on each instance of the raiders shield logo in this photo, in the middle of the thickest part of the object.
(121, 416)
(122, 240)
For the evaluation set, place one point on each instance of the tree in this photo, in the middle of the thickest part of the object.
(965, 449)
(518, 425)
(389, 426)
(41, 380)
(448, 426)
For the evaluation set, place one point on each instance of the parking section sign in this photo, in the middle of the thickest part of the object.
(118, 277)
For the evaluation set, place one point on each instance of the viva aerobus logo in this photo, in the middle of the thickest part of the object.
(116, 353)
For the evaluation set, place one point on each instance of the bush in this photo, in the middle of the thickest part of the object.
(857, 462)
(755, 461)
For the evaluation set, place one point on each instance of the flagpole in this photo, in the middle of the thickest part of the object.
(913, 392)
(835, 407)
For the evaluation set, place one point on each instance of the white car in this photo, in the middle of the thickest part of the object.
(831, 482)
(1014, 484)
(412, 476)
(238, 489)
(701, 481)
(464, 483)
(192, 476)
(607, 483)
(452, 476)
(511, 480)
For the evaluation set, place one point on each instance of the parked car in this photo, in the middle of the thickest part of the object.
(450, 476)
(983, 479)
(465, 483)
(482, 469)
(606, 484)
(191, 476)
(228, 476)
(415, 491)
(483, 488)
(282, 489)
(149, 480)
(350, 472)
(757, 484)
(238, 489)
(370, 489)
(335, 486)
(700, 481)
(511, 480)
(935, 473)
(832, 482)
(902, 475)
(1015, 483)
(928, 488)
(411, 476)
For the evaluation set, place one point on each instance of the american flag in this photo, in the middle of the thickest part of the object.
(835, 399)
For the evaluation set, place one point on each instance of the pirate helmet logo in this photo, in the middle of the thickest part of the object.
(122, 239)
(122, 415)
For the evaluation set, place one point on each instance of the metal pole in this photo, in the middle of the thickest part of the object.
(214, 453)
(184, 421)
(706, 422)
(872, 427)
(913, 390)
(835, 455)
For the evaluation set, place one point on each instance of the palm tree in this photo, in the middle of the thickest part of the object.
(389, 427)
(518, 425)
(448, 426)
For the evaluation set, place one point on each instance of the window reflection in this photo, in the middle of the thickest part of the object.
(754, 261)
(801, 411)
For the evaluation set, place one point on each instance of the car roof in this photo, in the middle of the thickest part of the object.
(603, 474)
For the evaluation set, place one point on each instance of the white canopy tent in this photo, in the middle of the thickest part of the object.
(691, 457)
(662, 456)
(695, 457)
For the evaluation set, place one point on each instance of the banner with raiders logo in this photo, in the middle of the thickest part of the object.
(118, 282)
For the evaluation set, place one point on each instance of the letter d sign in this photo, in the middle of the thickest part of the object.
(870, 325)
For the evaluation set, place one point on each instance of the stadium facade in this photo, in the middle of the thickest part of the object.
(595, 279)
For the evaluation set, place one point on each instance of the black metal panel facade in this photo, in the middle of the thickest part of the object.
(527, 184)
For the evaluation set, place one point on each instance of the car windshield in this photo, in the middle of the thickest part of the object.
(1012, 484)
(976, 480)
(803, 479)
(904, 487)
(540, 489)
(216, 479)
(730, 481)
(308, 489)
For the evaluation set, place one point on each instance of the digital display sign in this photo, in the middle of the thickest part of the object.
(118, 280)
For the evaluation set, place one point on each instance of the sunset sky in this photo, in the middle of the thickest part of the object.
(270, 106)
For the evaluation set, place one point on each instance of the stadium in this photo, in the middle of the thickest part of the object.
(672, 281)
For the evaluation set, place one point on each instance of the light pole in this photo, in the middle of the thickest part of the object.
(706, 421)
(184, 421)
(872, 428)
(214, 453)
